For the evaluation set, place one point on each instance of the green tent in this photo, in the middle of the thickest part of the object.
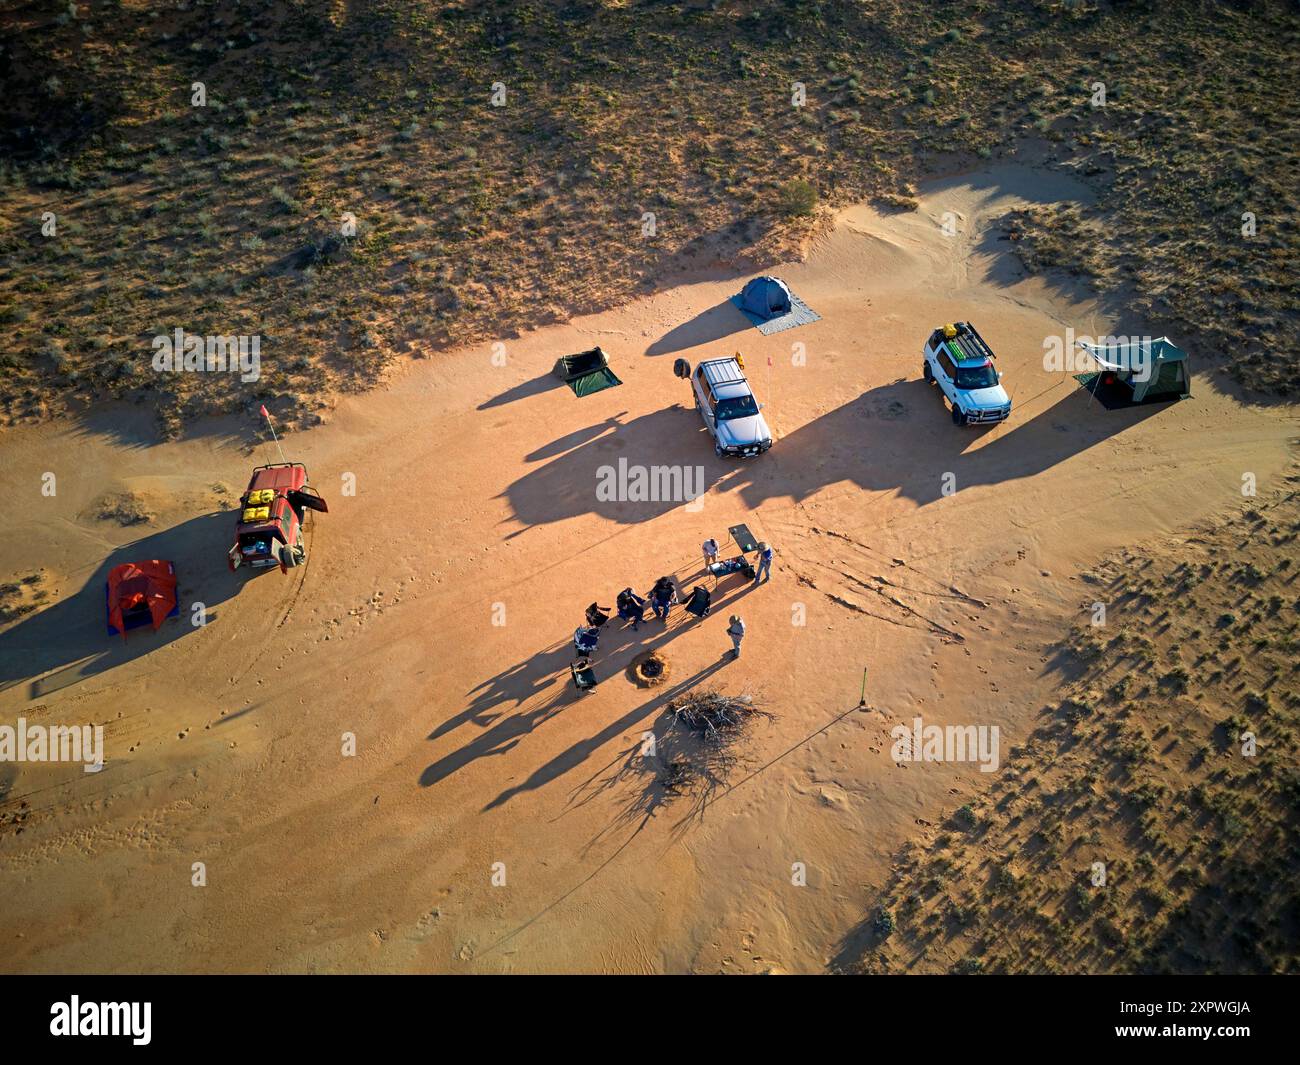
(1143, 371)
(586, 372)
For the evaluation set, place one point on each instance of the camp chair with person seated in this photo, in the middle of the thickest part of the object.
(631, 607)
(584, 677)
(662, 596)
(585, 640)
(699, 602)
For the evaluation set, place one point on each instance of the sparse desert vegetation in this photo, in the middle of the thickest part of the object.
(1149, 822)
(473, 221)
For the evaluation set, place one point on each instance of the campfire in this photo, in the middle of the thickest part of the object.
(650, 669)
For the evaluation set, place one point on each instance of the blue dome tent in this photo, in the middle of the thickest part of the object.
(766, 296)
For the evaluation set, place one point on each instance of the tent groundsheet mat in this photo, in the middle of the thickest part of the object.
(799, 314)
(1118, 396)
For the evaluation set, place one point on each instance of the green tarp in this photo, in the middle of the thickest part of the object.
(593, 382)
(586, 372)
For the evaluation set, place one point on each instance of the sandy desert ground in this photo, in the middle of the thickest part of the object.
(475, 486)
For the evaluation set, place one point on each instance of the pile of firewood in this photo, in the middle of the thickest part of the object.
(713, 715)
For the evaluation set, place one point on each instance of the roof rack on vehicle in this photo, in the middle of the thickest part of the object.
(969, 343)
(715, 377)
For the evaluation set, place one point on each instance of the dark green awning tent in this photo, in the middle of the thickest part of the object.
(586, 372)
(1151, 369)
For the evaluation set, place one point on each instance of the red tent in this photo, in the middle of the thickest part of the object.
(139, 592)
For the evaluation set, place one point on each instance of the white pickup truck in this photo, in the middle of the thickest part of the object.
(957, 359)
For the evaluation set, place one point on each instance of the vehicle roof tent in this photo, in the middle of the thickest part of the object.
(766, 296)
(586, 372)
(140, 593)
(1153, 369)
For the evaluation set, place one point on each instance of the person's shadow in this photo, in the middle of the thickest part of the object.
(69, 641)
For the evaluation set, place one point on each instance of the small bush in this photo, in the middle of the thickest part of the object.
(798, 198)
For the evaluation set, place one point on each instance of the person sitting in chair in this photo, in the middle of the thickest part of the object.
(631, 607)
(662, 596)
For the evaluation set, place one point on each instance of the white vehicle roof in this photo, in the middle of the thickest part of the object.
(726, 378)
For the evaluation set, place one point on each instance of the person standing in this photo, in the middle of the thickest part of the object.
(764, 561)
(710, 548)
(736, 630)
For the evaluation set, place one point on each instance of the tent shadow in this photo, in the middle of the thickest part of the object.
(705, 328)
(524, 390)
(69, 641)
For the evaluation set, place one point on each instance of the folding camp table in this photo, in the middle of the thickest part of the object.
(731, 565)
(744, 538)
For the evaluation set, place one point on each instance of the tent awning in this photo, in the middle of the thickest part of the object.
(1135, 356)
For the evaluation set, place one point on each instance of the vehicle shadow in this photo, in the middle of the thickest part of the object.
(717, 322)
(898, 437)
(69, 641)
(673, 439)
(895, 437)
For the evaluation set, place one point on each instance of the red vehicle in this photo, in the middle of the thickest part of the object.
(272, 508)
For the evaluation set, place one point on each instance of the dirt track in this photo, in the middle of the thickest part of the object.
(475, 487)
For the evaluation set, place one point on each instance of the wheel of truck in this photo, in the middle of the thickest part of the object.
(717, 450)
(927, 373)
(958, 418)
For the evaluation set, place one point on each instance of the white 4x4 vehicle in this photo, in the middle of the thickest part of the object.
(730, 411)
(958, 360)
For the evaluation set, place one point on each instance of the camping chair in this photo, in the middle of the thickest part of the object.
(596, 615)
(699, 602)
(631, 607)
(585, 640)
(584, 677)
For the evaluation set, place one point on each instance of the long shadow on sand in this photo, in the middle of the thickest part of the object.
(531, 678)
(534, 387)
(71, 637)
(566, 485)
(896, 437)
(706, 327)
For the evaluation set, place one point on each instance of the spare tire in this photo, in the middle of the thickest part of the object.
(682, 368)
